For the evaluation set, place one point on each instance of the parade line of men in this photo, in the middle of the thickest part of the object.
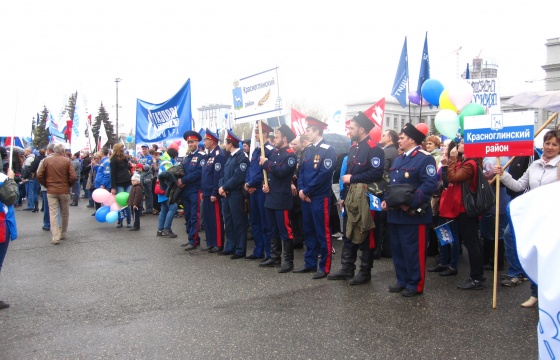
(276, 179)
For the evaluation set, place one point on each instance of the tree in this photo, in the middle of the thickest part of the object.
(433, 129)
(309, 110)
(103, 115)
(41, 135)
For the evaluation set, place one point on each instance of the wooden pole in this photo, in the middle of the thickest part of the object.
(496, 229)
(550, 119)
(262, 152)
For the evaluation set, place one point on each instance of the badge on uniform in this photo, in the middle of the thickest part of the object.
(316, 161)
(327, 163)
(217, 166)
(291, 162)
(406, 174)
(375, 162)
(431, 170)
(194, 159)
(243, 166)
(202, 162)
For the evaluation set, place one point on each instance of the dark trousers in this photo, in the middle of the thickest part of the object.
(317, 233)
(191, 205)
(235, 220)
(136, 213)
(408, 245)
(213, 222)
(259, 224)
(468, 232)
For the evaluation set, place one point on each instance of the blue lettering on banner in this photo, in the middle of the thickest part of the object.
(506, 134)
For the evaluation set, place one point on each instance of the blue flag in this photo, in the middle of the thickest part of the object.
(401, 78)
(166, 121)
(444, 234)
(374, 202)
(467, 72)
(424, 67)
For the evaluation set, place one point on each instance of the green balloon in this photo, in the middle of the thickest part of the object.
(122, 198)
(471, 109)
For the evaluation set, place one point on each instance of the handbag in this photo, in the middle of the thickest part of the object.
(399, 194)
(478, 203)
(158, 190)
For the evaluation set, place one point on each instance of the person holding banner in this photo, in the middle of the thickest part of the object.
(365, 165)
(544, 171)
(254, 181)
(315, 183)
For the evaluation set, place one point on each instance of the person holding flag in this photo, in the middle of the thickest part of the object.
(365, 165)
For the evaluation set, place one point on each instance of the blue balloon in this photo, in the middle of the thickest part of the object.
(226, 115)
(129, 139)
(112, 216)
(101, 213)
(431, 90)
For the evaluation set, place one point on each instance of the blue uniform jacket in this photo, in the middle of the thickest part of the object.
(419, 170)
(146, 160)
(316, 171)
(280, 168)
(254, 175)
(103, 174)
(211, 172)
(193, 171)
(234, 172)
(365, 163)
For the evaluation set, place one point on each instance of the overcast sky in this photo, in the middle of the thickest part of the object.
(329, 52)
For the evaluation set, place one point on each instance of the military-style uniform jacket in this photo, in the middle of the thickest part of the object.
(212, 168)
(280, 168)
(193, 171)
(365, 163)
(254, 176)
(316, 171)
(419, 170)
(235, 170)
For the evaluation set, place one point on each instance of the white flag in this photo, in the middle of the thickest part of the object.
(102, 134)
(79, 126)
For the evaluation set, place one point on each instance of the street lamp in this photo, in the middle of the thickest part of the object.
(117, 80)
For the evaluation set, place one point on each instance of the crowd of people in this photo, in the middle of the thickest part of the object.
(282, 195)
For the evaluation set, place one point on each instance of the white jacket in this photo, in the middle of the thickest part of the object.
(538, 174)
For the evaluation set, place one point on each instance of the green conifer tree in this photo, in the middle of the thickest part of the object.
(41, 135)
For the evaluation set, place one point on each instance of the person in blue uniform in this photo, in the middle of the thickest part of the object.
(190, 185)
(314, 183)
(280, 167)
(211, 200)
(410, 217)
(148, 161)
(231, 189)
(364, 165)
(254, 181)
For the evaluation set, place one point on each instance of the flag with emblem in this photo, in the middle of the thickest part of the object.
(374, 202)
(444, 234)
(401, 78)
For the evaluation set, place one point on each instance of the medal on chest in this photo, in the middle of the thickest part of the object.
(316, 161)
(406, 174)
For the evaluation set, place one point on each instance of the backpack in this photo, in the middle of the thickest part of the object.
(478, 203)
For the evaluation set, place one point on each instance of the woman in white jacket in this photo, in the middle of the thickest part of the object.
(541, 172)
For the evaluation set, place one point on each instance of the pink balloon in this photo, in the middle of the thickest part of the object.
(100, 195)
(460, 94)
(173, 146)
(375, 133)
(110, 200)
(115, 206)
(423, 128)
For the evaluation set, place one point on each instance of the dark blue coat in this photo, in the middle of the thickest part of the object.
(280, 168)
(235, 170)
(316, 171)
(211, 172)
(419, 170)
(254, 176)
(193, 171)
(365, 163)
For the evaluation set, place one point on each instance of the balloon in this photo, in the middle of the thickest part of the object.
(471, 109)
(110, 199)
(447, 123)
(460, 94)
(173, 146)
(100, 195)
(423, 128)
(129, 139)
(112, 216)
(116, 207)
(431, 90)
(414, 97)
(122, 198)
(445, 103)
(375, 134)
(101, 213)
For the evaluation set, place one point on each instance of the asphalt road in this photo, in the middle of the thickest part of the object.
(111, 293)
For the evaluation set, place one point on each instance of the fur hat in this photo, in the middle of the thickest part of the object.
(135, 177)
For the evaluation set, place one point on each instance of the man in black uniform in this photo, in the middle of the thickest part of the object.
(231, 190)
(278, 203)
(364, 166)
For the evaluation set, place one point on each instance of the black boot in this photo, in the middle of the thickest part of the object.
(348, 260)
(275, 254)
(288, 264)
(366, 263)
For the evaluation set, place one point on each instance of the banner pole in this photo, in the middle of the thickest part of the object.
(496, 229)
(262, 152)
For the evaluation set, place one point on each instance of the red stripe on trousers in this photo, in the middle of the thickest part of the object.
(327, 234)
(371, 232)
(287, 225)
(197, 238)
(421, 256)
(218, 223)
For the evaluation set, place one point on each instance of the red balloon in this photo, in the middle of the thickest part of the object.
(423, 128)
(173, 146)
(375, 133)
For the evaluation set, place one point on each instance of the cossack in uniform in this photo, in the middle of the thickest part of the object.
(190, 194)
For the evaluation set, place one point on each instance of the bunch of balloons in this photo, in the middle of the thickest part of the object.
(109, 212)
(454, 103)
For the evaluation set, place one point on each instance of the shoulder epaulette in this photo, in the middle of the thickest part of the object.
(290, 151)
(269, 147)
(425, 152)
(325, 146)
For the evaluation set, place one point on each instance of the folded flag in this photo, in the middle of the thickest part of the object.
(444, 234)
(374, 202)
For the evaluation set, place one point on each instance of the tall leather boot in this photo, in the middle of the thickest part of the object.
(348, 260)
(288, 264)
(366, 264)
(275, 254)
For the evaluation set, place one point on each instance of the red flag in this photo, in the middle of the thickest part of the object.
(69, 124)
(298, 123)
(376, 113)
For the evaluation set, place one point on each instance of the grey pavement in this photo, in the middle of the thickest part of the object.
(107, 293)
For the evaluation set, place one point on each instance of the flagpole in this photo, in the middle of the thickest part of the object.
(13, 133)
(496, 242)
(262, 152)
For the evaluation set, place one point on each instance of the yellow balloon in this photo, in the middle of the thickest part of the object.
(445, 103)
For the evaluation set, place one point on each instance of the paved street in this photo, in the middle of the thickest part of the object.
(110, 293)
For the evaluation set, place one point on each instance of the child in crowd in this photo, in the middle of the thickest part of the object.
(135, 201)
